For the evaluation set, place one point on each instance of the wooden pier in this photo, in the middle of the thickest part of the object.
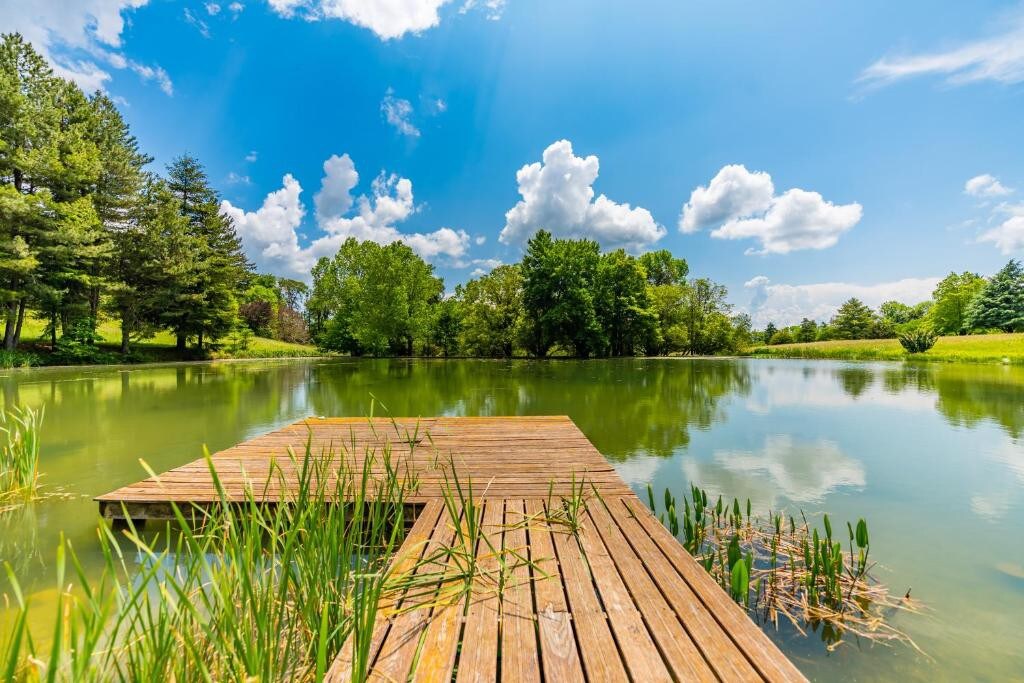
(619, 599)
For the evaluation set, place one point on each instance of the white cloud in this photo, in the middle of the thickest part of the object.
(387, 18)
(479, 240)
(212, 8)
(238, 179)
(335, 195)
(734, 192)
(785, 304)
(397, 113)
(483, 266)
(236, 8)
(999, 58)
(743, 205)
(493, 8)
(79, 38)
(270, 234)
(986, 185)
(252, 156)
(558, 196)
(199, 24)
(1008, 235)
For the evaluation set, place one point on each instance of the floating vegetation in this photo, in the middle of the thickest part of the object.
(783, 569)
(19, 456)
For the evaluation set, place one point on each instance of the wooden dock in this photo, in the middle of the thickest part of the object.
(616, 599)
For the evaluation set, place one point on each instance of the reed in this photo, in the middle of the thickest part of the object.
(19, 456)
(240, 590)
(781, 569)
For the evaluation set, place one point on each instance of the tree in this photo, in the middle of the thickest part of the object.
(667, 303)
(622, 305)
(663, 268)
(952, 296)
(769, 332)
(808, 331)
(374, 299)
(743, 331)
(447, 324)
(1000, 303)
(853, 320)
(558, 295)
(706, 317)
(208, 307)
(492, 307)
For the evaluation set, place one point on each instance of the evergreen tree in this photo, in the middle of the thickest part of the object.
(1000, 303)
(206, 305)
(808, 331)
(854, 320)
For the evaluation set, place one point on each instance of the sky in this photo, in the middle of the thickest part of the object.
(799, 152)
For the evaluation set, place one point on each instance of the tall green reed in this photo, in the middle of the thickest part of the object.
(19, 455)
(255, 589)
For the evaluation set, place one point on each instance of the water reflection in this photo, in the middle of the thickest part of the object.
(784, 470)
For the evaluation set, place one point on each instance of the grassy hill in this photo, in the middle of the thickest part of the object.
(159, 348)
(982, 348)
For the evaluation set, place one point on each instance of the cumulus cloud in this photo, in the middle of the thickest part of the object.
(236, 8)
(1008, 236)
(387, 18)
(212, 8)
(80, 38)
(270, 234)
(398, 113)
(733, 193)
(744, 206)
(999, 58)
(986, 186)
(785, 304)
(493, 8)
(557, 195)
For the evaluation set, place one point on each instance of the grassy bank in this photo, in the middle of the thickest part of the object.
(35, 348)
(988, 348)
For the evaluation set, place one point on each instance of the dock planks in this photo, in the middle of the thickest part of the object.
(612, 597)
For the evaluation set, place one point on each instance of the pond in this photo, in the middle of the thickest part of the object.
(931, 455)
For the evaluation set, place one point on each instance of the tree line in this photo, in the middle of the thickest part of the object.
(962, 303)
(87, 233)
(566, 297)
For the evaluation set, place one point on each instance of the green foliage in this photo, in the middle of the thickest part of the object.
(446, 326)
(918, 342)
(808, 331)
(623, 307)
(781, 337)
(854, 320)
(559, 282)
(952, 296)
(492, 312)
(1000, 302)
(373, 299)
(662, 268)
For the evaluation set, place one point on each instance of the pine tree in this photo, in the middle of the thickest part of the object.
(207, 306)
(853, 320)
(1000, 303)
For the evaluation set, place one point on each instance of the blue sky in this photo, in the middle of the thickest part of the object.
(822, 149)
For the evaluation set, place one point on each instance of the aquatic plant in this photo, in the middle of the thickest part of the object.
(19, 455)
(917, 341)
(781, 568)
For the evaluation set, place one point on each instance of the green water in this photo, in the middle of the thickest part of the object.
(932, 455)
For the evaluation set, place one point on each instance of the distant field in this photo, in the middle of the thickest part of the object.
(987, 348)
(161, 346)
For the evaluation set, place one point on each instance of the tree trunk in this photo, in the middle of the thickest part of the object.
(124, 335)
(200, 344)
(12, 312)
(53, 331)
(180, 345)
(21, 322)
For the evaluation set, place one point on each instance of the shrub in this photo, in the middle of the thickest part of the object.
(781, 337)
(918, 341)
(18, 359)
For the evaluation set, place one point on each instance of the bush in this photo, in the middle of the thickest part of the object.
(781, 337)
(918, 341)
(18, 359)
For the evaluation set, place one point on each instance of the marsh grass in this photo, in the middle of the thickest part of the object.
(241, 590)
(781, 569)
(19, 456)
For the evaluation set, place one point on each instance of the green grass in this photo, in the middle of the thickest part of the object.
(159, 348)
(19, 456)
(982, 348)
